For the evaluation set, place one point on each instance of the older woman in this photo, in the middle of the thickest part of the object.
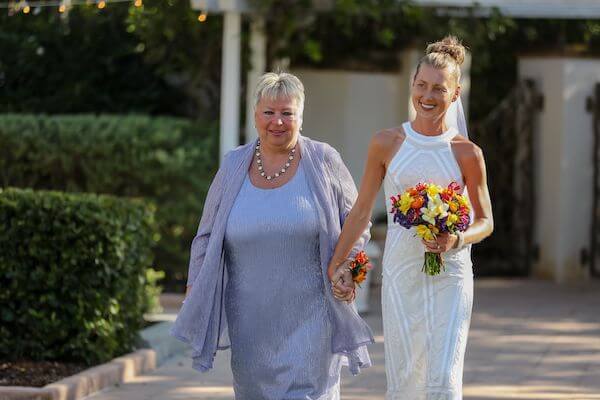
(258, 268)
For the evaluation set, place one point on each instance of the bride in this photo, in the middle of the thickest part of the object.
(425, 318)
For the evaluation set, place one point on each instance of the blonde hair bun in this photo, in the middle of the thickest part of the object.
(449, 45)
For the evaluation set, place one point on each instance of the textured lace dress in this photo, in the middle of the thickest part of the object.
(275, 298)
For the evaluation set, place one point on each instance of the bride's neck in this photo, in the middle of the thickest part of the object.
(429, 127)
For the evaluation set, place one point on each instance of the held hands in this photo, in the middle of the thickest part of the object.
(442, 243)
(342, 284)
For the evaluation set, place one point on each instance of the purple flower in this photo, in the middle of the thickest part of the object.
(402, 219)
(441, 225)
(413, 216)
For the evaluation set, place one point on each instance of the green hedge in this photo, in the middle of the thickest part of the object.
(170, 161)
(72, 273)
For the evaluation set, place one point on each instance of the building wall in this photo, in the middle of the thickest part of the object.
(345, 108)
(564, 166)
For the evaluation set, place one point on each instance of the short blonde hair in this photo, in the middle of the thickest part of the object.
(277, 85)
(448, 52)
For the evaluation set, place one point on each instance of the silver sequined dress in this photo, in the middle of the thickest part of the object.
(275, 301)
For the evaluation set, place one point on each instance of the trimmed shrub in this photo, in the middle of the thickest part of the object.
(170, 161)
(73, 274)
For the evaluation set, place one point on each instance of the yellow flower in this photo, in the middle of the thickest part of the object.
(424, 232)
(453, 206)
(452, 219)
(433, 190)
(463, 201)
(405, 202)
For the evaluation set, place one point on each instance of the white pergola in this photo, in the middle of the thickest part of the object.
(233, 10)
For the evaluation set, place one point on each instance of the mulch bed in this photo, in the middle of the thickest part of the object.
(35, 373)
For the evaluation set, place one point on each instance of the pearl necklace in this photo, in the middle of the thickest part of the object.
(279, 172)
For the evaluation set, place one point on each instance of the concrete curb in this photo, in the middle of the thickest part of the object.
(119, 370)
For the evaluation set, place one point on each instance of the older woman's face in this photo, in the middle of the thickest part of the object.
(433, 91)
(277, 121)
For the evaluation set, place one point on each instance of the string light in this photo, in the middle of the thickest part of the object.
(35, 6)
(202, 16)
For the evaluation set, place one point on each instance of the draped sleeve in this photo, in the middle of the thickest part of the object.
(207, 221)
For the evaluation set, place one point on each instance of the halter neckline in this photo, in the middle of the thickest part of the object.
(444, 137)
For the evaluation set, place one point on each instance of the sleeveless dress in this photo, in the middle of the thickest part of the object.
(275, 297)
(425, 318)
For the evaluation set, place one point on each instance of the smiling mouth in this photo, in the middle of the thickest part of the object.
(427, 107)
(277, 133)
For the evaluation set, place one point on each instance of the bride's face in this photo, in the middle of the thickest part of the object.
(433, 91)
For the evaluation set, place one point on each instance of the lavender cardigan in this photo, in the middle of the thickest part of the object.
(202, 322)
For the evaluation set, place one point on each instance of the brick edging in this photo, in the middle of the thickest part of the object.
(118, 370)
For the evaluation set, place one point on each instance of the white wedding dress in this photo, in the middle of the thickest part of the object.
(425, 319)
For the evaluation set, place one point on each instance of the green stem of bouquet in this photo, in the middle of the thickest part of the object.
(434, 263)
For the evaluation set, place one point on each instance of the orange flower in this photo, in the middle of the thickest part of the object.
(362, 275)
(362, 258)
(446, 195)
(417, 202)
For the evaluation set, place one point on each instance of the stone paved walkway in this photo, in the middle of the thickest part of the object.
(528, 340)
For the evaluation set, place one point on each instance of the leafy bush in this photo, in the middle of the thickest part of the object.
(167, 160)
(86, 63)
(73, 274)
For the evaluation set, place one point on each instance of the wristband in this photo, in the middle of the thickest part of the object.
(461, 240)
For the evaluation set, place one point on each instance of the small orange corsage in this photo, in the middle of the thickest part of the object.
(359, 267)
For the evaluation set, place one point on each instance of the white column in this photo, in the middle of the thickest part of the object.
(230, 83)
(563, 164)
(258, 64)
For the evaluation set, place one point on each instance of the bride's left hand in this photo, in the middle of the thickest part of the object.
(442, 243)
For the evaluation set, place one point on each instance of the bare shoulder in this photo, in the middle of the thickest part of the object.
(465, 150)
(388, 137)
(386, 142)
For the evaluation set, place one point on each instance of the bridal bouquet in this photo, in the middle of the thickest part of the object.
(432, 210)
